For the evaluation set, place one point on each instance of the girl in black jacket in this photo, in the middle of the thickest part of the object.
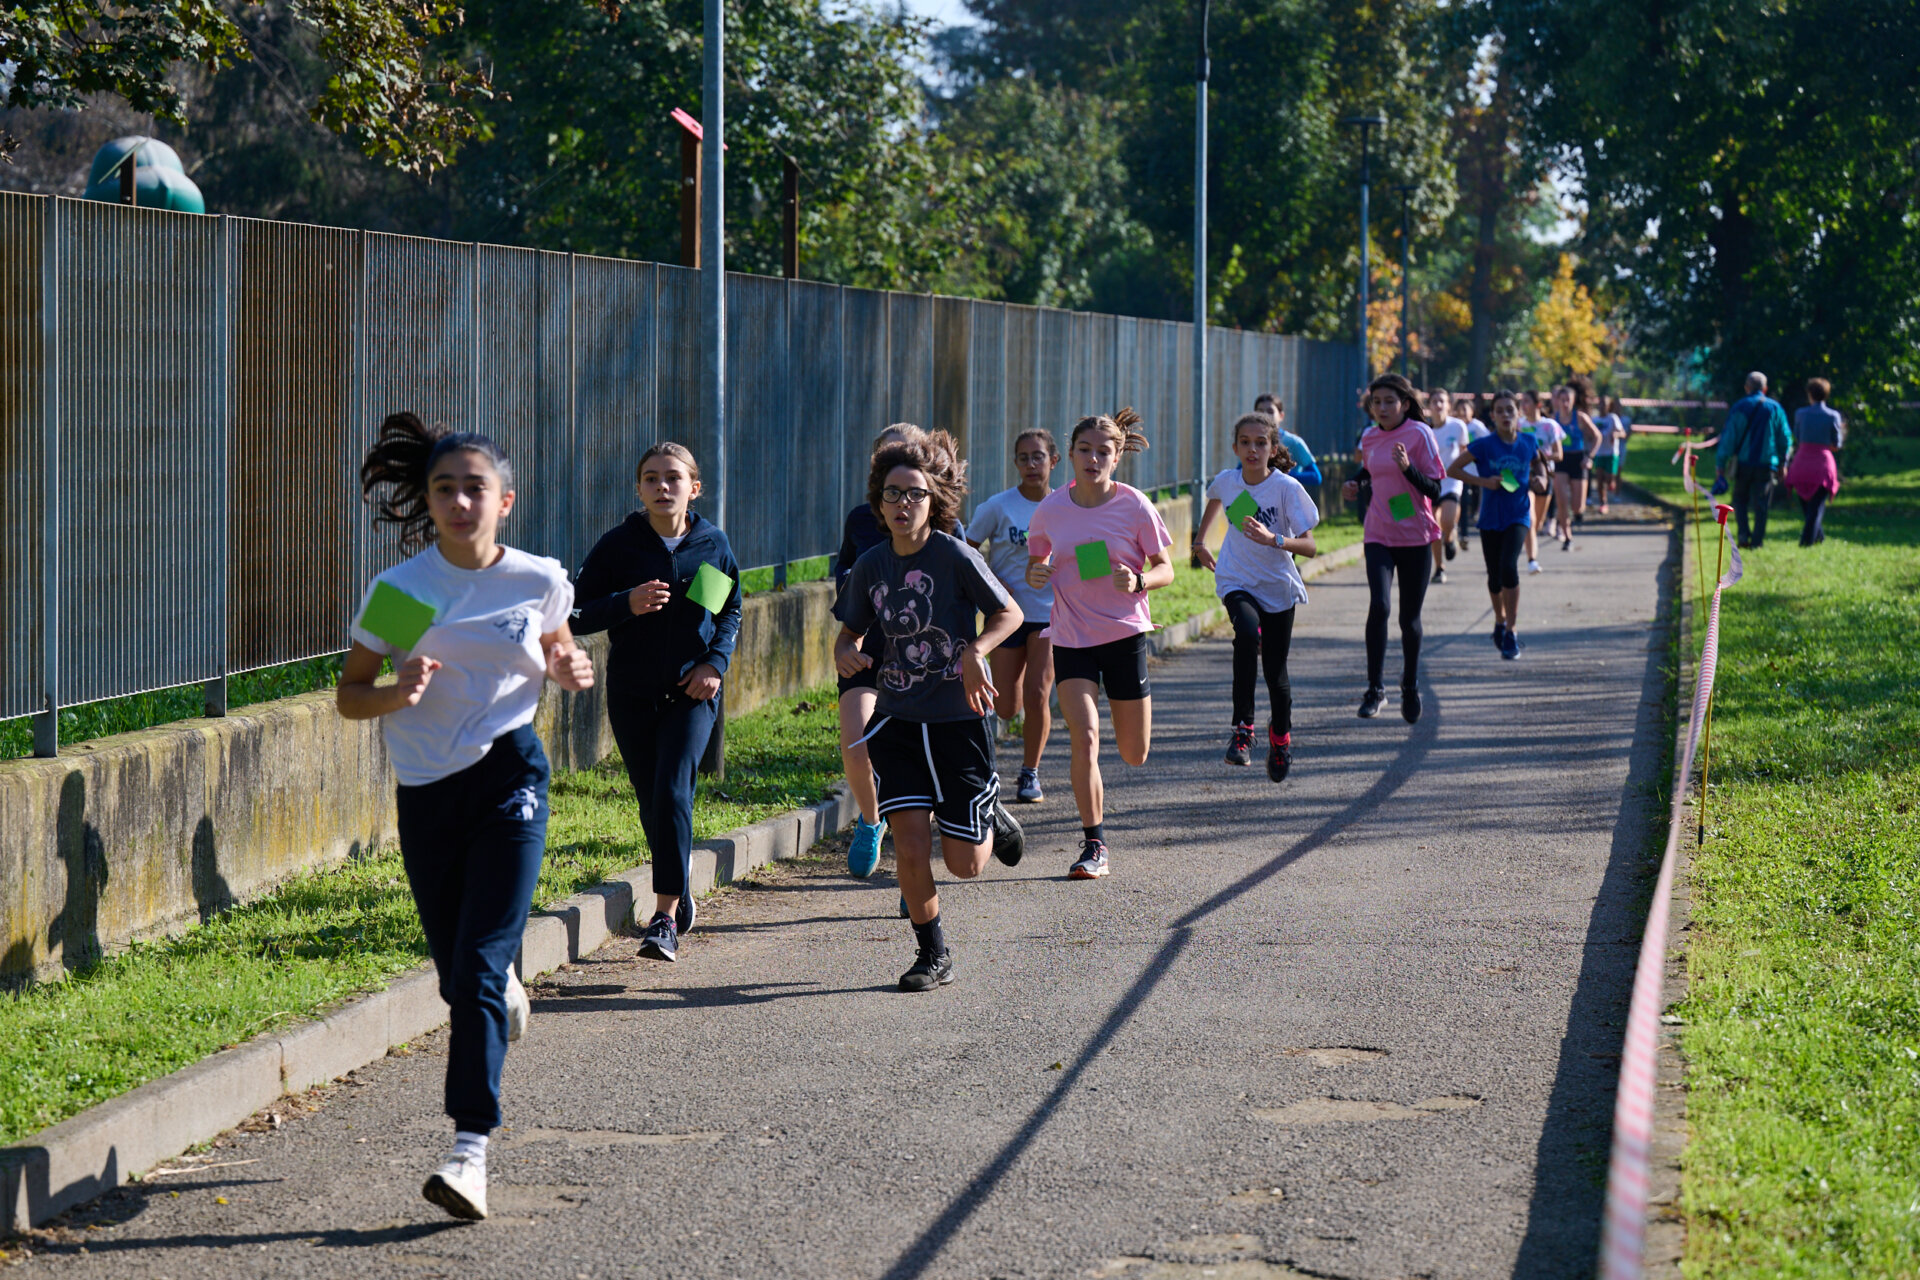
(669, 654)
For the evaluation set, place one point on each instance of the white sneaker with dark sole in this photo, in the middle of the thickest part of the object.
(460, 1187)
(519, 1008)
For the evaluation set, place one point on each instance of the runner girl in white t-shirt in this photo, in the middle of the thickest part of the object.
(1452, 435)
(1535, 421)
(1023, 662)
(474, 630)
(1269, 521)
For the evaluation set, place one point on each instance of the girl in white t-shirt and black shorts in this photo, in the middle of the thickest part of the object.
(474, 630)
(1257, 580)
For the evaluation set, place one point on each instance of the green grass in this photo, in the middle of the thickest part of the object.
(329, 934)
(1803, 1012)
(813, 569)
(145, 710)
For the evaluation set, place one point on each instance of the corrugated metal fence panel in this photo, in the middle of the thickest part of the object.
(816, 456)
(989, 442)
(1179, 354)
(864, 374)
(295, 449)
(22, 474)
(952, 338)
(1103, 367)
(420, 349)
(1054, 392)
(524, 392)
(613, 371)
(678, 363)
(759, 420)
(910, 358)
(142, 451)
(1023, 373)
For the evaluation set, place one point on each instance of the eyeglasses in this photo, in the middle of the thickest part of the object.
(911, 497)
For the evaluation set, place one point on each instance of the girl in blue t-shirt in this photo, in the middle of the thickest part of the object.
(1511, 469)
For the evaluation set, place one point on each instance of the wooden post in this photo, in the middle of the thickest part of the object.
(790, 220)
(689, 199)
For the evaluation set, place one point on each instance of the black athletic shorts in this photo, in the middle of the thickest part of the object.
(946, 767)
(1021, 634)
(1120, 666)
(1574, 465)
(871, 646)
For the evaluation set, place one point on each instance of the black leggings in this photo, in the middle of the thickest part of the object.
(1413, 564)
(1815, 528)
(1501, 548)
(1260, 638)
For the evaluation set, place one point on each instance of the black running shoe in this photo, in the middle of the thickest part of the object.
(1448, 550)
(1279, 754)
(1410, 705)
(928, 971)
(685, 912)
(1370, 702)
(1009, 841)
(1240, 745)
(660, 941)
(1499, 629)
(1439, 576)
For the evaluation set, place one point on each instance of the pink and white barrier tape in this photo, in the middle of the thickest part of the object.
(1623, 1236)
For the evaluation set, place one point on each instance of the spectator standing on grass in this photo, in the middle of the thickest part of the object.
(1814, 473)
(1754, 443)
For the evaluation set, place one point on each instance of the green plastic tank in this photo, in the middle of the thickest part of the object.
(160, 180)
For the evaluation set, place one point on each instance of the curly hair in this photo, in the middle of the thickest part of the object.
(935, 455)
(1582, 387)
(1118, 426)
(393, 479)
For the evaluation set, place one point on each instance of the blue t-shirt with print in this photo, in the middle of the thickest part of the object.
(1500, 509)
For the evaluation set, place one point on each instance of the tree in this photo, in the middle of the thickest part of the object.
(1568, 337)
(400, 103)
(1749, 174)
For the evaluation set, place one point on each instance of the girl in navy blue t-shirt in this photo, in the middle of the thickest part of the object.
(1511, 468)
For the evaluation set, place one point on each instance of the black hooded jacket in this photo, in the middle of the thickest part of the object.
(651, 652)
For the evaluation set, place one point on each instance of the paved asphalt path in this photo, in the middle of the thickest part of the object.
(1363, 1024)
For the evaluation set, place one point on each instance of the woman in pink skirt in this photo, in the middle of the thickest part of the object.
(1813, 472)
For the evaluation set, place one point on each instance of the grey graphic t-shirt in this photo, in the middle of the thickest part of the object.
(925, 603)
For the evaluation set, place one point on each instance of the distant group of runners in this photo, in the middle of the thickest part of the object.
(939, 644)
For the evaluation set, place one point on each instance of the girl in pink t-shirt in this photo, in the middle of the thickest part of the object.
(1400, 469)
(1112, 550)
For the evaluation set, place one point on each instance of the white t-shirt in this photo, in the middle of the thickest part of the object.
(1452, 437)
(1268, 574)
(1000, 525)
(1547, 432)
(486, 633)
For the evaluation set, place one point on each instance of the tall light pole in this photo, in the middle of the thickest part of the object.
(1366, 125)
(713, 256)
(1201, 70)
(1406, 191)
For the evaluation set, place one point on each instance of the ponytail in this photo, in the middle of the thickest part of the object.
(1118, 426)
(394, 476)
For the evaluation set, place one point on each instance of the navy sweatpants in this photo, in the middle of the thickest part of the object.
(472, 844)
(661, 741)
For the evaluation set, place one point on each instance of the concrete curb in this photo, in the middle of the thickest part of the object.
(1181, 634)
(105, 1146)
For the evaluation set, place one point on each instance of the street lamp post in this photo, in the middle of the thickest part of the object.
(713, 247)
(1201, 71)
(1406, 191)
(1366, 125)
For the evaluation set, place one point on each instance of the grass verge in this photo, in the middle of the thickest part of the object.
(333, 933)
(1803, 1012)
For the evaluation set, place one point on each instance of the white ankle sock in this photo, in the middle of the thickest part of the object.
(471, 1145)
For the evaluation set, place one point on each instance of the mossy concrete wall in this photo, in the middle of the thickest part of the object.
(142, 834)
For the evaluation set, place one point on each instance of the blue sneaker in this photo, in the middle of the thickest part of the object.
(1510, 645)
(863, 852)
(660, 941)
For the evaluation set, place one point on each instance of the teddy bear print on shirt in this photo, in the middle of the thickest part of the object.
(916, 649)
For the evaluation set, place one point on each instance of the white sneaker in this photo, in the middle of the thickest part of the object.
(1533, 566)
(460, 1187)
(519, 1009)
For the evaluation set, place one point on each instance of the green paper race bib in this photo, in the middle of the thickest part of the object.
(710, 589)
(1509, 481)
(1401, 505)
(1529, 430)
(396, 617)
(1093, 561)
(1241, 507)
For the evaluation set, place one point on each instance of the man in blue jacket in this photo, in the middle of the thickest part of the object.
(1755, 441)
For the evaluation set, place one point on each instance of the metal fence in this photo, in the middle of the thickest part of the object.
(185, 402)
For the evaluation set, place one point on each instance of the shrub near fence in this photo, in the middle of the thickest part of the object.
(185, 400)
